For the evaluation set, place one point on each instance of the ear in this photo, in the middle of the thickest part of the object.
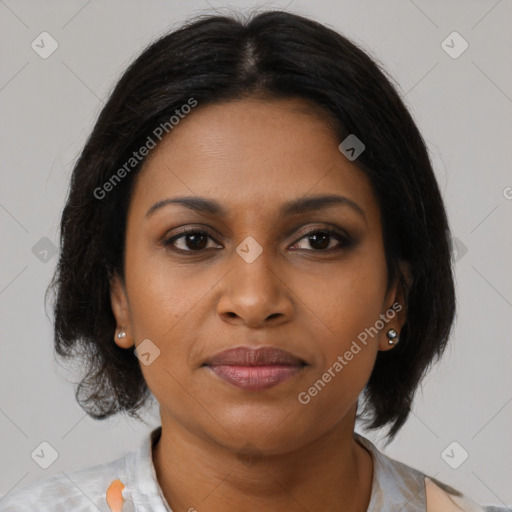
(395, 310)
(119, 303)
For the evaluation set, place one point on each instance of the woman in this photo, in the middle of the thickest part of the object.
(254, 236)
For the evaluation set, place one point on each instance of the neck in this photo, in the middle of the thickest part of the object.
(196, 473)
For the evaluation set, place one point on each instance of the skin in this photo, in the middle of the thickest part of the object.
(224, 448)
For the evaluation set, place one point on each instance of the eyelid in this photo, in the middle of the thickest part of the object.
(194, 228)
(328, 228)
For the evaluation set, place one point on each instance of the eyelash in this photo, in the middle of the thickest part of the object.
(344, 240)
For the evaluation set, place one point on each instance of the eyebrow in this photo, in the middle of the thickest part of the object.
(293, 207)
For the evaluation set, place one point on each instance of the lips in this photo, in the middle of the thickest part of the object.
(255, 369)
(248, 356)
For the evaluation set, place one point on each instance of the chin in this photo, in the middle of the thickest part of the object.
(263, 433)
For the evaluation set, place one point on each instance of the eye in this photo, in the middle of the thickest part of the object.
(319, 239)
(194, 240)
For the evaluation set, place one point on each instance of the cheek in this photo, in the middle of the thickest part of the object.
(167, 307)
(348, 352)
(161, 294)
(349, 307)
(352, 297)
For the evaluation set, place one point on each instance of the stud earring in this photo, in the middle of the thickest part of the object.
(121, 334)
(393, 338)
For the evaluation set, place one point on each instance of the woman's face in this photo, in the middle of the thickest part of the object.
(257, 274)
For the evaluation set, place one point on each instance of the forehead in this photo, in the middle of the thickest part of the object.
(250, 153)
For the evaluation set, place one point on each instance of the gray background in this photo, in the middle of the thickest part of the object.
(463, 108)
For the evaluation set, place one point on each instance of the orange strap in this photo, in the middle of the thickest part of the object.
(115, 496)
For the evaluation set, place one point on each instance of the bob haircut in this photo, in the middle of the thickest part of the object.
(213, 59)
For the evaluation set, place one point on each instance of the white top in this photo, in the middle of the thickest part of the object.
(395, 486)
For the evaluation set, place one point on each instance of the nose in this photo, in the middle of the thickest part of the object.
(255, 293)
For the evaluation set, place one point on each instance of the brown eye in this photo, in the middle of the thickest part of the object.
(191, 241)
(320, 240)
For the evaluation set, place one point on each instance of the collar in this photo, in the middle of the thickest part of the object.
(393, 482)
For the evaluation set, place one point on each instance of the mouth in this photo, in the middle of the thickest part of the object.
(255, 369)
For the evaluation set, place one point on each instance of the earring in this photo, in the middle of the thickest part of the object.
(121, 334)
(393, 338)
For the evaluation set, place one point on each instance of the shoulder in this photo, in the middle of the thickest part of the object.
(443, 498)
(397, 486)
(81, 490)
